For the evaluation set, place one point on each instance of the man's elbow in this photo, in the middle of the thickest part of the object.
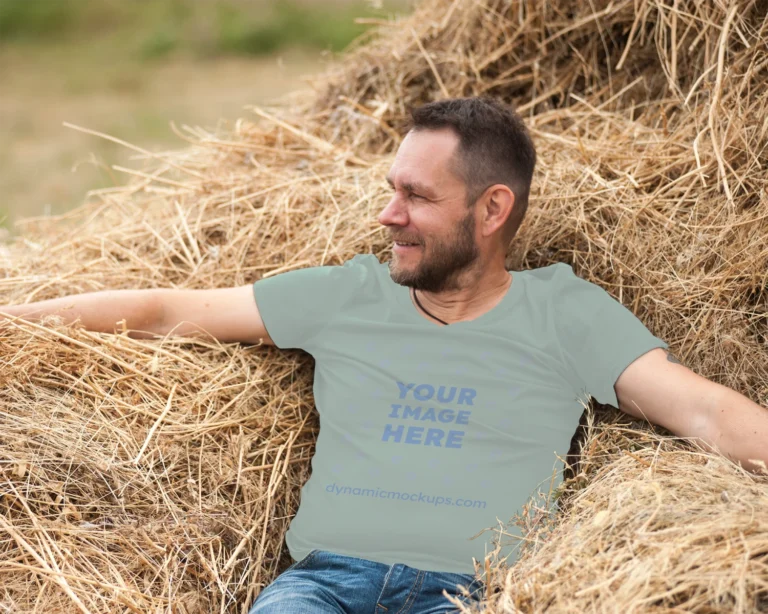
(149, 321)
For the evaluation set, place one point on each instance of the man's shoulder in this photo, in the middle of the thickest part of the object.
(366, 260)
(559, 282)
(552, 276)
(362, 267)
(549, 272)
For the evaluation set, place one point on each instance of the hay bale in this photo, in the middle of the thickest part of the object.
(647, 527)
(150, 476)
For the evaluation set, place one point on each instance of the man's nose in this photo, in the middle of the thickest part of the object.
(393, 213)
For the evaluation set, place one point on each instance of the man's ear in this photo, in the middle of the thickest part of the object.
(499, 201)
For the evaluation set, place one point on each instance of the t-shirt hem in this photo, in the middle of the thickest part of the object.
(431, 565)
(620, 366)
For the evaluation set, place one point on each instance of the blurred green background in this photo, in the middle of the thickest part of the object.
(127, 68)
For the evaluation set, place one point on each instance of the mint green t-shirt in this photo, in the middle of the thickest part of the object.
(430, 434)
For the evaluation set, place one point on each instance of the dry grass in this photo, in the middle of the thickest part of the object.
(160, 476)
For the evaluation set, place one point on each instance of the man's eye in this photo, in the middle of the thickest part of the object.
(410, 194)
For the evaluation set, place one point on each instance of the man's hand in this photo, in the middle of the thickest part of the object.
(140, 310)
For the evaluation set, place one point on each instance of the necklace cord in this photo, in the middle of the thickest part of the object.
(425, 311)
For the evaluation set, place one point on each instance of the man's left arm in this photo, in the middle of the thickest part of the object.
(659, 388)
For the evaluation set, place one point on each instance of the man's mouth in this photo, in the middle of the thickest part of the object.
(404, 248)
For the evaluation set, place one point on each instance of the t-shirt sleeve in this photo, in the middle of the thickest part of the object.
(296, 306)
(599, 337)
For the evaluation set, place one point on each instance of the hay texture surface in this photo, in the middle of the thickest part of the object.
(160, 476)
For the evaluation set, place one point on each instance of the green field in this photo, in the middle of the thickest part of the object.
(146, 29)
(128, 68)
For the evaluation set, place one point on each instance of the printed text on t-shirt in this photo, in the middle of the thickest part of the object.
(434, 436)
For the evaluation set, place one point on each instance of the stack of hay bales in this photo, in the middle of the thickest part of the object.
(160, 476)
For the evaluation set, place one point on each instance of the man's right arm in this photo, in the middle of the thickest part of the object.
(227, 314)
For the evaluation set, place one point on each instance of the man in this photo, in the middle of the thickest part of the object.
(445, 383)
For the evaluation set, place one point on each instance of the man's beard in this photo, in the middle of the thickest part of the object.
(439, 271)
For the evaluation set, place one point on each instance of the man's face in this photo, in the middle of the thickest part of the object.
(428, 207)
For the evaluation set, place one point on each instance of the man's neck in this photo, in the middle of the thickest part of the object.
(466, 303)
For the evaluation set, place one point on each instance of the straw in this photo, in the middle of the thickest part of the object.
(161, 475)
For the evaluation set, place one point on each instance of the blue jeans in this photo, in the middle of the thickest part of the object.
(326, 582)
